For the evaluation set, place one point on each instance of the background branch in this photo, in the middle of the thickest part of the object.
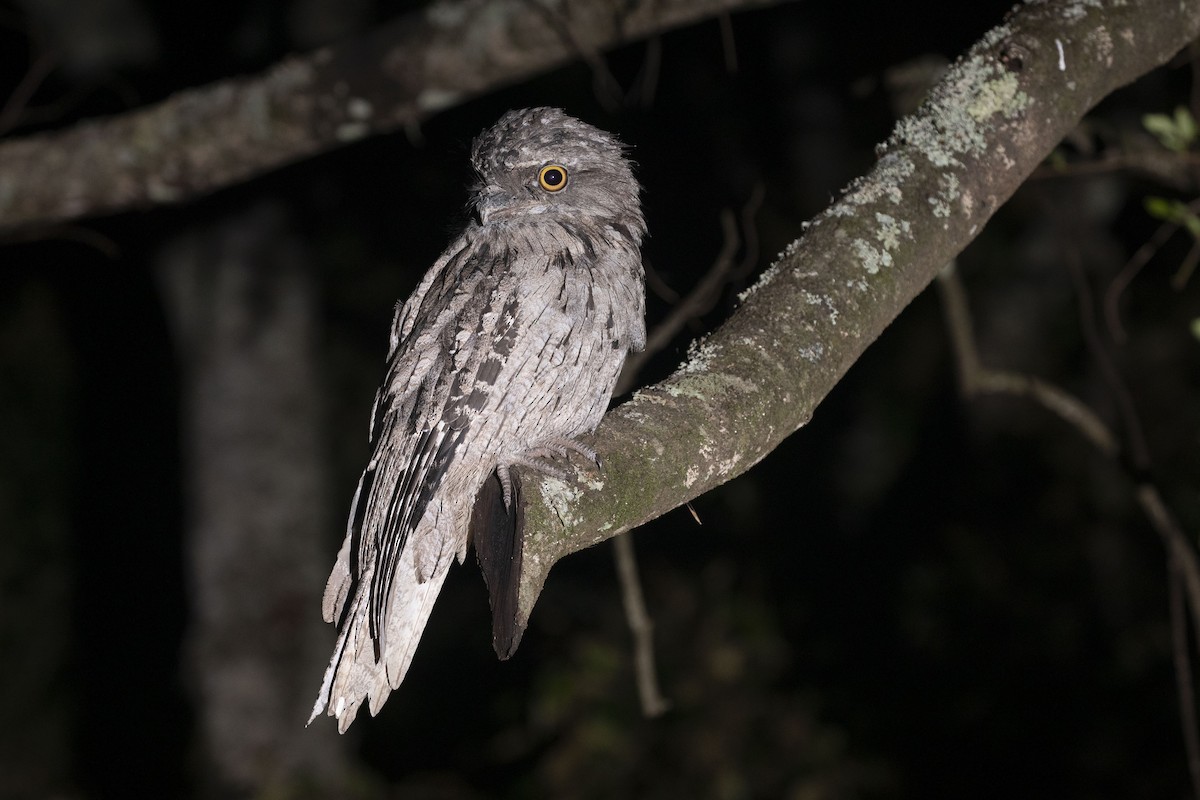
(942, 174)
(640, 626)
(1183, 565)
(205, 139)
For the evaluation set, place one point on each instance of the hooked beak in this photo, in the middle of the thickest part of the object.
(493, 205)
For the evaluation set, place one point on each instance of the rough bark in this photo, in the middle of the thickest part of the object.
(201, 140)
(940, 176)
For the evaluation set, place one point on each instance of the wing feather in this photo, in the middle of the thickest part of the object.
(440, 341)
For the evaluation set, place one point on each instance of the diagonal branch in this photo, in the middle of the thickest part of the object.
(205, 139)
(943, 173)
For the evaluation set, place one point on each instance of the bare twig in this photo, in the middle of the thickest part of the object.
(1152, 161)
(975, 379)
(1125, 276)
(1183, 674)
(647, 79)
(38, 71)
(640, 625)
(605, 86)
(728, 43)
(1194, 63)
(79, 234)
(1135, 437)
(696, 303)
(656, 284)
(1181, 556)
(750, 231)
(1187, 267)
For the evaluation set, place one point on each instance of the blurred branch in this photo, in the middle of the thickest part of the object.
(38, 71)
(695, 304)
(698, 302)
(640, 625)
(1176, 170)
(945, 170)
(1127, 273)
(975, 379)
(208, 138)
(1124, 277)
(1183, 676)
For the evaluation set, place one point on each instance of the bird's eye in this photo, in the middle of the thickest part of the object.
(552, 178)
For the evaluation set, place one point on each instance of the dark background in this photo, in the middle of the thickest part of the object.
(912, 597)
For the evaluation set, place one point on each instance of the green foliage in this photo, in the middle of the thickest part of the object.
(1174, 211)
(1175, 132)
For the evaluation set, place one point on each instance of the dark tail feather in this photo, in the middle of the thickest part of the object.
(497, 532)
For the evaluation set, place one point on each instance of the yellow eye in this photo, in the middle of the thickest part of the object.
(552, 178)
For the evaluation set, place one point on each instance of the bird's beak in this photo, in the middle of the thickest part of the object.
(492, 205)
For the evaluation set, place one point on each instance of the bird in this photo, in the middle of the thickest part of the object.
(503, 356)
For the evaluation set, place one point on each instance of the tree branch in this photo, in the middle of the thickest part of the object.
(941, 175)
(1184, 567)
(641, 626)
(201, 140)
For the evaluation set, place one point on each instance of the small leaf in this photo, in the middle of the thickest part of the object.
(1174, 211)
(1185, 123)
(1175, 132)
(1159, 208)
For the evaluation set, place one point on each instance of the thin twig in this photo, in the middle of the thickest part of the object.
(1139, 450)
(750, 231)
(80, 234)
(605, 86)
(974, 379)
(1112, 295)
(728, 43)
(641, 626)
(1125, 276)
(656, 284)
(1187, 267)
(647, 79)
(38, 71)
(1194, 63)
(1183, 555)
(695, 304)
(1183, 674)
(1161, 165)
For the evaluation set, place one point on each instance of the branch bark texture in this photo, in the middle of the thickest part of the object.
(940, 176)
(201, 140)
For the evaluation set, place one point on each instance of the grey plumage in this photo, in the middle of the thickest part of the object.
(508, 349)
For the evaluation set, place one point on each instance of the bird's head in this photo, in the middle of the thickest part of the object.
(540, 161)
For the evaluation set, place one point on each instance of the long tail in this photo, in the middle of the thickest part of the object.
(353, 672)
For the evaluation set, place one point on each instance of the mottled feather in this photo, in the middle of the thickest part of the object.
(508, 349)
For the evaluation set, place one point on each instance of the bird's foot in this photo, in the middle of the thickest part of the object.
(540, 459)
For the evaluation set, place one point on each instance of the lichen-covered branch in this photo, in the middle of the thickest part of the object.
(205, 139)
(940, 176)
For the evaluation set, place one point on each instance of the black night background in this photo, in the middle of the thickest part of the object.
(916, 595)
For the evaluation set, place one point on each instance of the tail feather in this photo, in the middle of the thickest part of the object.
(337, 588)
(353, 673)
